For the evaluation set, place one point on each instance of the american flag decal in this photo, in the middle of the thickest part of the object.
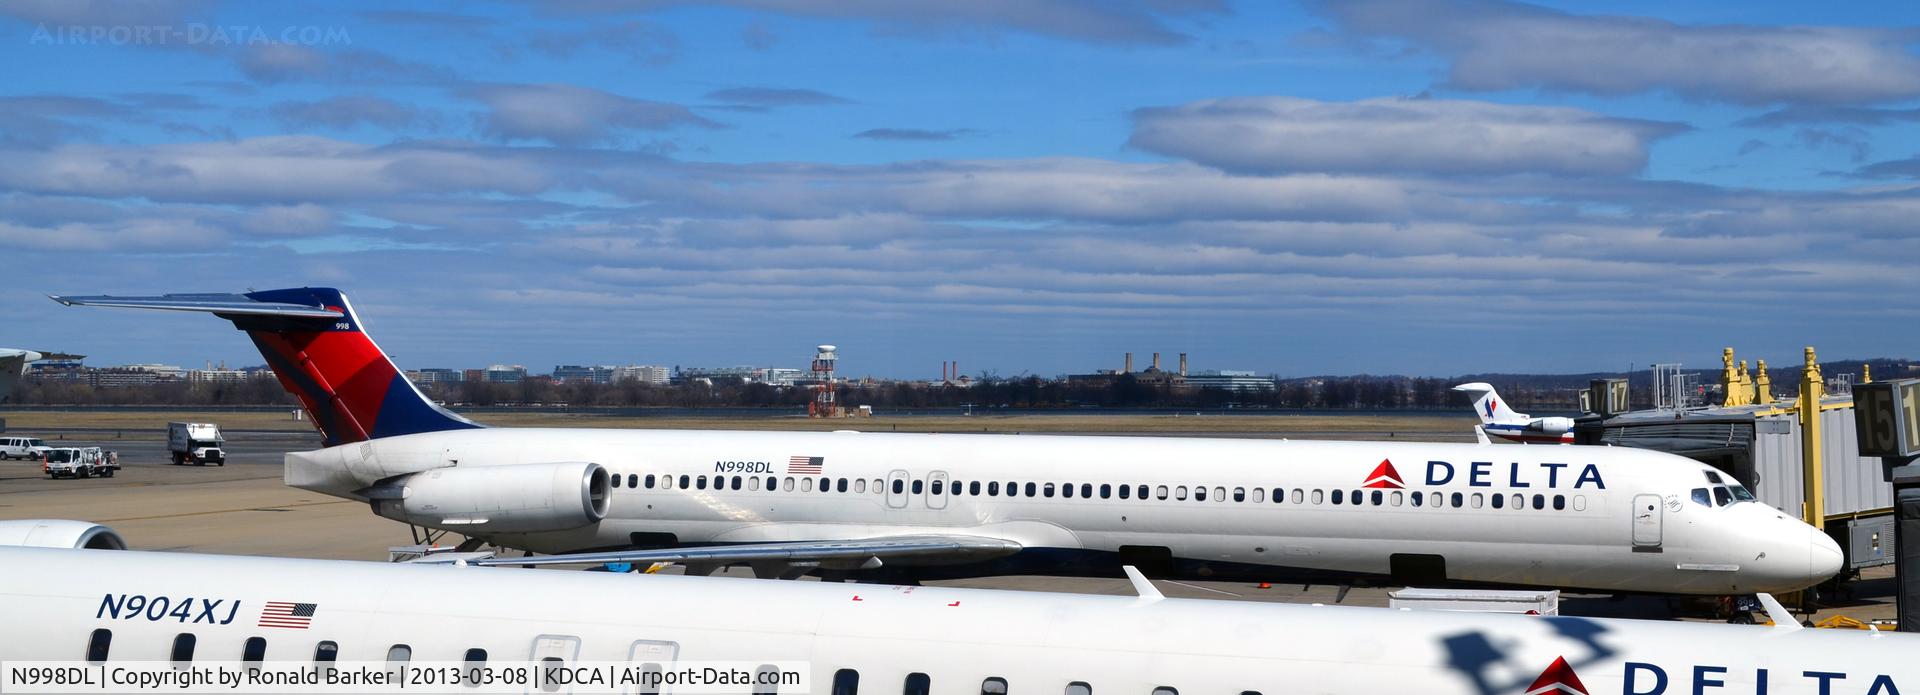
(289, 615)
(806, 465)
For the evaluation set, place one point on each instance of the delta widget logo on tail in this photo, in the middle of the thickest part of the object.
(1384, 477)
(1558, 678)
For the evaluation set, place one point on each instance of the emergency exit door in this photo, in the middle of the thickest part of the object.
(897, 489)
(1646, 521)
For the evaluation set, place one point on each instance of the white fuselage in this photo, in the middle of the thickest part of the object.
(57, 603)
(1586, 517)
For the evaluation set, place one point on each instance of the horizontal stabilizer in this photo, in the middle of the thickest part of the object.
(938, 548)
(223, 304)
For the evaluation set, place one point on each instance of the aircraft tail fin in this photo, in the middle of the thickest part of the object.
(1487, 404)
(315, 344)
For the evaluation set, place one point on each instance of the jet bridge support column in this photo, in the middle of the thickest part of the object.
(1887, 422)
(1906, 541)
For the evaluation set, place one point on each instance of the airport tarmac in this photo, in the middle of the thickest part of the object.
(243, 508)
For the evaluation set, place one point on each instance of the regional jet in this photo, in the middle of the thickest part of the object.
(1500, 421)
(904, 507)
(125, 614)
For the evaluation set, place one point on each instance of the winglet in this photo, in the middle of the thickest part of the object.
(1782, 618)
(1141, 585)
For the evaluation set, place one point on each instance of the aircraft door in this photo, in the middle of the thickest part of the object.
(654, 658)
(937, 490)
(897, 489)
(1647, 514)
(555, 651)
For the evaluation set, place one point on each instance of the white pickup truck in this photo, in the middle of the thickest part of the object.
(80, 462)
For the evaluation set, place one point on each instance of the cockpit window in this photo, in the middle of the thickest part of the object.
(1721, 496)
(1740, 494)
(1700, 496)
(1713, 477)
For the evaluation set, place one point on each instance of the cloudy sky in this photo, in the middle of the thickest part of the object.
(1387, 186)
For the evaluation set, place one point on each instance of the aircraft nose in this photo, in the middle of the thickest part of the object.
(1824, 558)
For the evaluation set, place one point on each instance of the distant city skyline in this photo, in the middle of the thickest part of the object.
(1418, 187)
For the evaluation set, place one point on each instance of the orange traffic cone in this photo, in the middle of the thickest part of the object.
(1264, 585)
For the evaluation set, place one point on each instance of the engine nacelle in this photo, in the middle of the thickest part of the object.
(514, 498)
(59, 533)
(1551, 425)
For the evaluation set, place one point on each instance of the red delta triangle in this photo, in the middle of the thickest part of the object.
(1558, 678)
(1385, 477)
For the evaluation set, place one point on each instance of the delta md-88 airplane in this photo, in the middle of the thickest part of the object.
(915, 506)
(102, 609)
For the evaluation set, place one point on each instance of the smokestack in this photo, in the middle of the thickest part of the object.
(956, 370)
(1156, 361)
(1183, 364)
(943, 370)
(1129, 368)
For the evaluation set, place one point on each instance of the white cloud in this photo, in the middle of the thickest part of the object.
(572, 115)
(1287, 134)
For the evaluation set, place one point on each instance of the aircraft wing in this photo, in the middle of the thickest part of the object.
(864, 553)
(13, 363)
(218, 304)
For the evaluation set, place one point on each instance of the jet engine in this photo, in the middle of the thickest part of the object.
(1551, 425)
(59, 533)
(516, 498)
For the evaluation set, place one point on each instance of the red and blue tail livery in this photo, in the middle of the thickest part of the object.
(316, 346)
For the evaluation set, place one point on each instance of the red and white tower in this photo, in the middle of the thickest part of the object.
(824, 402)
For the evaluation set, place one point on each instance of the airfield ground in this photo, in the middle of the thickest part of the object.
(242, 508)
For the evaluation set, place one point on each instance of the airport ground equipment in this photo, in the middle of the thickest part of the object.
(198, 443)
(79, 462)
(1888, 425)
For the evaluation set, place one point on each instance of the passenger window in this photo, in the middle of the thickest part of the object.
(1199, 493)
(997, 685)
(1047, 489)
(1396, 498)
(649, 481)
(1560, 502)
(769, 675)
(859, 484)
(615, 482)
(1126, 492)
(1721, 496)
(879, 486)
(1355, 499)
(918, 485)
(1318, 496)
(98, 645)
(683, 482)
(1140, 492)
(787, 484)
(327, 650)
(700, 483)
(1032, 490)
(1300, 494)
(1579, 503)
(254, 651)
(1079, 688)
(1239, 494)
(1066, 490)
(1086, 490)
(550, 673)
(753, 484)
(1160, 492)
(1339, 496)
(1165, 690)
(1477, 500)
(633, 480)
(917, 684)
(1498, 501)
(1180, 492)
(1459, 500)
(736, 482)
(397, 657)
(993, 488)
(939, 488)
(806, 485)
(1416, 498)
(1219, 494)
(846, 681)
(973, 488)
(1519, 501)
(476, 658)
(1260, 495)
(1378, 497)
(899, 486)
(1539, 501)
(182, 649)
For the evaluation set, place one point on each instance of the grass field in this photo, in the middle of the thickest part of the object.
(1422, 426)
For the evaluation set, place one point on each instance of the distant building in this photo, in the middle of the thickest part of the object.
(435, 376)
(1231, 380)
(219, 376)
(504, 374)
(1151, 376)
(576, 374)
(645, 374)
(781, 376)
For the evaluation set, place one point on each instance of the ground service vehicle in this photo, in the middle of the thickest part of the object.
(198, 443)
(22, 448)
(80, 462)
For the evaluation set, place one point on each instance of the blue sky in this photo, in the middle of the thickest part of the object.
(1385, 186)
